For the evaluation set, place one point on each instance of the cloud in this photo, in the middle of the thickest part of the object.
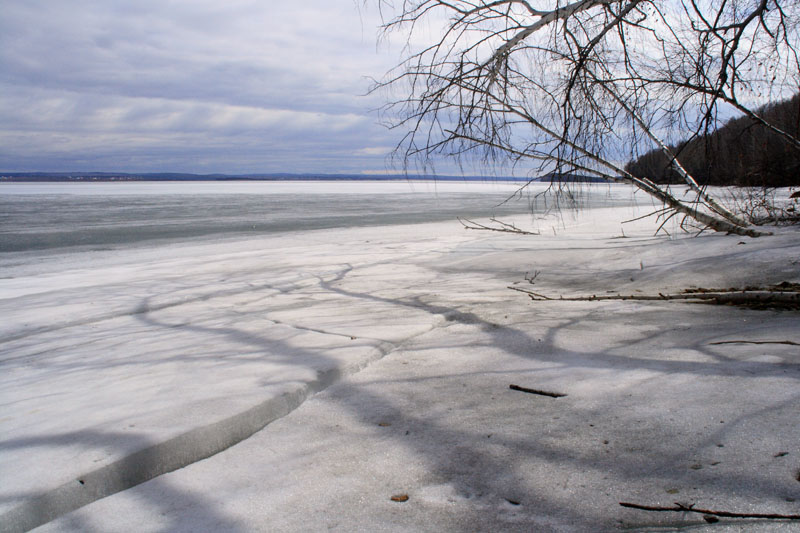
(187, 86)
(374, 150)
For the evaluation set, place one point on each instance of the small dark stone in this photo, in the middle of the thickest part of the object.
(711, 519)
(512, 502)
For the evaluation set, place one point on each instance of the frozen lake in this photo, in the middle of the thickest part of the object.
(109, 215)
(183, 332)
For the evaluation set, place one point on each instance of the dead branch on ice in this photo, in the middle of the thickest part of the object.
(789, 343)
(745, 297)
(503, 227)
(680, 507)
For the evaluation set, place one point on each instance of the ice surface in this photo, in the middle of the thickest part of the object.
(100, 216)
(138, 188)
(178, 348)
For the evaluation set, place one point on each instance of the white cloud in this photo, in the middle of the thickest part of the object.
(374, 150)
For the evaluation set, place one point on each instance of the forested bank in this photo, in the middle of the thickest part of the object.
(741, 152)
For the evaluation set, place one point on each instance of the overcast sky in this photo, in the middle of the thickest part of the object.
(201, 86)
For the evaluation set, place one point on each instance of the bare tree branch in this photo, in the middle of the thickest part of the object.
(572, 86)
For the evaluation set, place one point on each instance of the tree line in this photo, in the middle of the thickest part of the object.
(742, 152)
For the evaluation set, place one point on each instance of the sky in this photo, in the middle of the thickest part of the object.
(201, 86)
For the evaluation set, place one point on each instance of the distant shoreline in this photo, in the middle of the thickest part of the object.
(17, 177)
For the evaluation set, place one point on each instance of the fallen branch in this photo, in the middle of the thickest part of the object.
(504, 227)
(538, 296)
(721, 297)
(679, 507)
(790, 343)
(536, 391)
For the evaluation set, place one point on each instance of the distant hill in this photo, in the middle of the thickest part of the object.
(741, 152)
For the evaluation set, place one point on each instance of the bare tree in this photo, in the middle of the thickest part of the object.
(581, 87)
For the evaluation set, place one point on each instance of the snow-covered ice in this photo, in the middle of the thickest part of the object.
(117, 366)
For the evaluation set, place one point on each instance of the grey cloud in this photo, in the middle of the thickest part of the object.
(237, 86)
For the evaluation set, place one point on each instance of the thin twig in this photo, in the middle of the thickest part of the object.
(507, 225)
(530, 279)
(679, 507)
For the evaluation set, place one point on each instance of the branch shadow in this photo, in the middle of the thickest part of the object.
(497, 477)
(130, 470)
